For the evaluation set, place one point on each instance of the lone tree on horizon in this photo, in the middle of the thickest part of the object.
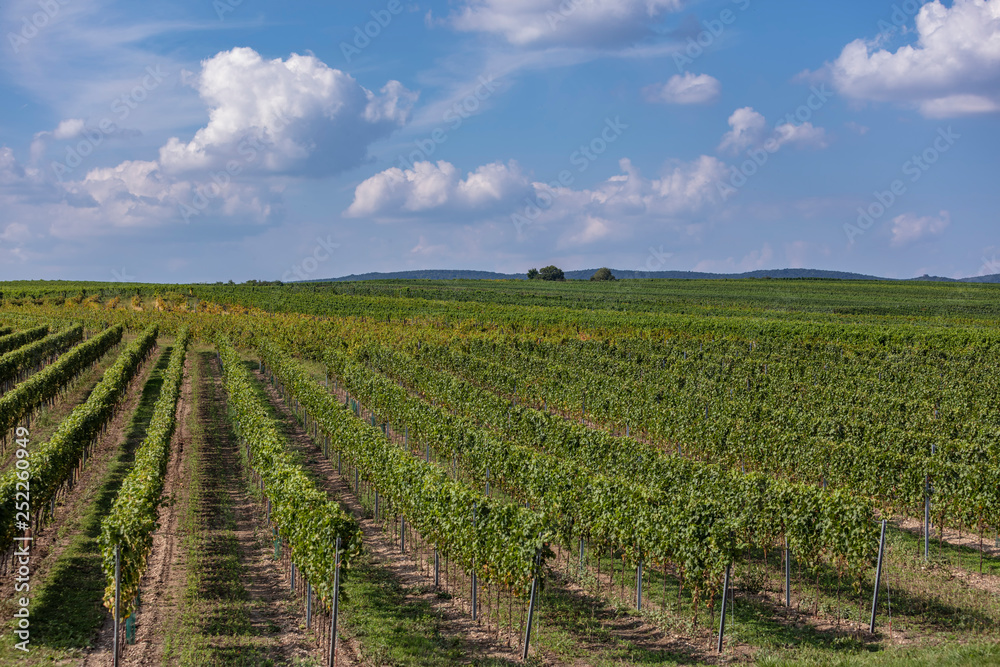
(603, 273)
(551, 273)
(547, 273)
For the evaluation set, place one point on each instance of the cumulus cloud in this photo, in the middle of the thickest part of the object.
(804, 135)
(502, 191)
(68, 129)
(133, 194)
(687, 88)
(589, 229)
(295, 116)
(748, 129)
(953, 68)
(431, 186)
(908, 228)
(586, 23)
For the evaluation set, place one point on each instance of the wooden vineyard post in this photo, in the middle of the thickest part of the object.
(402, 534)
(335, 607)
(725, 595)
(118, 600)
(878, 576)
(437, 569)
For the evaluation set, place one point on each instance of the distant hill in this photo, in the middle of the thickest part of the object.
(995, 278)
(584, 274)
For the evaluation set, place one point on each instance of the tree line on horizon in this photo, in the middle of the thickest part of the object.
(553, 272)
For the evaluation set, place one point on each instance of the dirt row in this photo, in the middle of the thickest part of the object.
(192, 620)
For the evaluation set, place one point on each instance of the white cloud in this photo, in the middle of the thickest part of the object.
(908, 228)
(586, 23)
(502, 190)
(293, 116)
(801, 135)
(591, 229)
(133, 194)
(749, 130)
(952, 69)
(958, 105)
(687, 88)
(68, 129)
(429, 186)
(285, 116)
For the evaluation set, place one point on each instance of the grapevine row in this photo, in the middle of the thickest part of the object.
(752, 431)
(16, 363)
(306, 517)
(53, 462)
(132, 518)
(652, 507)
(17, 339)
(43, 386)
(502, 545)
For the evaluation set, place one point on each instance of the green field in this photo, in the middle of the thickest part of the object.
(567, 435)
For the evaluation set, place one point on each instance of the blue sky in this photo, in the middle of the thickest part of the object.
(228, 139)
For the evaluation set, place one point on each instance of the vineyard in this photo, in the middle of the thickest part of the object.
(500, 473)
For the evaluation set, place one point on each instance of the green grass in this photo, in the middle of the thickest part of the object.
(394, 629)
(977, 654)
(574, 627)
(943, 553)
